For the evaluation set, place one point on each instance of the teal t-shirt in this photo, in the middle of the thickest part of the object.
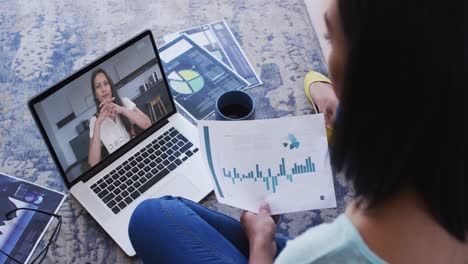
(336, 242)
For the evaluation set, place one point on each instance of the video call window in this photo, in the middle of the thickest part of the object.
(102, 110)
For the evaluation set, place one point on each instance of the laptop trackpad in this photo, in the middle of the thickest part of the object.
(178, 186)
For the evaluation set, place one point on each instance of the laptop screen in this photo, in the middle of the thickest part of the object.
(106, 107)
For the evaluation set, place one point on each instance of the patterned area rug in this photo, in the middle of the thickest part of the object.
(44, 41)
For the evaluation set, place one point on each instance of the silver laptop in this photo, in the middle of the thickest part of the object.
(116, 137)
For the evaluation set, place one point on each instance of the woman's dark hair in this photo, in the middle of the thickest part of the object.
(400, 123)
(117, 101)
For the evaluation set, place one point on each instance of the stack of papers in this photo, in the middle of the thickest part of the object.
(20, 234)
(203, 62)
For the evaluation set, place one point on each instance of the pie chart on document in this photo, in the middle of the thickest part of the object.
(186, 81)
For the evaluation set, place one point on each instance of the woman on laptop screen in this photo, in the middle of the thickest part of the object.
(113, 124)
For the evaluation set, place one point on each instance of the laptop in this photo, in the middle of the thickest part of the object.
(116, 137)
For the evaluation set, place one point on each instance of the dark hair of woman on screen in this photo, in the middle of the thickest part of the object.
(113, 124)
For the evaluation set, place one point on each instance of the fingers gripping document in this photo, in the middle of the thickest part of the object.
(284, 162)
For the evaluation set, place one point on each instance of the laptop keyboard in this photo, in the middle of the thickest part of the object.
(141, 171)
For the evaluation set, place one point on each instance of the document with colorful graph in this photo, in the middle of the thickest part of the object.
(284, 162)
(218, 39)
(195, 77)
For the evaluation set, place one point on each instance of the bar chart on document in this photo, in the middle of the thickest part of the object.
(282, 161)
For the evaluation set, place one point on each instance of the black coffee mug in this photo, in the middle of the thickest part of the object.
(235, 105)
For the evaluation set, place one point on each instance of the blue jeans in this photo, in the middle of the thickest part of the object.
(176, 230)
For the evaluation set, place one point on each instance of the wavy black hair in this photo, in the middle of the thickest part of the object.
(400, 123)
(117, 101)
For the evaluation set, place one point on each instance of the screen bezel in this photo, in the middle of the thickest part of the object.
(125, 148)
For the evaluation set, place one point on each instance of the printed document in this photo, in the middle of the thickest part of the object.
(284, 162)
